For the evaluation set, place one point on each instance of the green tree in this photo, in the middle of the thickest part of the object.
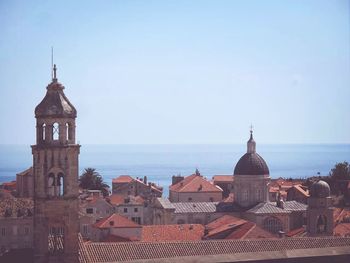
(340, 176)
(341, 171)
(92, 180)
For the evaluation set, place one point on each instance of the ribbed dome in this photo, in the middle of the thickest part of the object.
(320, 189)
(55, 103)
(251, 164)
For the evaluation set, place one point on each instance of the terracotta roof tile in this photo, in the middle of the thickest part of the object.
(342, 229)
(194, 183)
(301, 190)
(296, 232)
(185, 232)
(116, 221)
(123, 179)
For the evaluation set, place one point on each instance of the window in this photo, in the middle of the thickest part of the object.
(211, 199)
(85, 229)
(136, 220)
(26, 231)
(3, 231)
(136, 209)
(321, 224)
(258, 194)
(60, 184)
(125, 210)
(245, 195)
(273, 224)
(55, 131)
(51, 184)
(67, 131)
(43, 129)
(89, 210)
(56, 240)
(190, 199)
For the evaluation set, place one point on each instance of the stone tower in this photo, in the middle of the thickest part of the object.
(320, 210)
(251, 177)
(55, 164)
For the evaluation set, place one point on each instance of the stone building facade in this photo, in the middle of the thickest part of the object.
(24, 183)
(55, 171)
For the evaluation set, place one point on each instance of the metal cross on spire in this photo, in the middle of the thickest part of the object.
(54, 72)
(251, 128)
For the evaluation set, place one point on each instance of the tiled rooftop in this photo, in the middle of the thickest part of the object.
(159, 233)
(115, 221)
(272, 208)
(194, 183)
(16, 207)
(230, 227)
(114, 252)
(195, 207)
(123, 179)
(117, 199)
(165, 203)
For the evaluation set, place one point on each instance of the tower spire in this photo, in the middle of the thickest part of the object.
(251, 145)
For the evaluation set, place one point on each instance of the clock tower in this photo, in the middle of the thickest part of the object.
(56, 167)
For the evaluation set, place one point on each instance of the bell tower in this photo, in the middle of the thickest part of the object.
(320, 210)
(56, 167)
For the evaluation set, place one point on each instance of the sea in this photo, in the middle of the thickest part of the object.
(160, 162)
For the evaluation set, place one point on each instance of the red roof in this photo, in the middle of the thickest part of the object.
(117, 199)
(161, 233)
(123, 179)
(301, 190)
(230, 227)
(11, 184)
(342, 230)
(194, 183)
(115, 221)
(296, 232)
(223, 178)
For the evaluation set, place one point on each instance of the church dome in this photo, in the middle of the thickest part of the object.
(55, 103)
(320, 189)
(251, 163)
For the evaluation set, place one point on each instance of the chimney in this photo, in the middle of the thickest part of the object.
(145, 179)
(176, 179)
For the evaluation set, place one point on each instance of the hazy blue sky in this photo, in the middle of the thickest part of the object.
(180, 71)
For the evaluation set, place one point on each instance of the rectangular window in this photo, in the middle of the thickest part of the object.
(26, 231)
(89, 210)
(125, 210)
(56, 240)
(136, 220)
(85, 229)
(136, 209)
(3, 231)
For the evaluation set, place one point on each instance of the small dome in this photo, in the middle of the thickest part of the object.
(320, 189)
(251, 164)
(55, 103)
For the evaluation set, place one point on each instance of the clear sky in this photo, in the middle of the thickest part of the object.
(180, 71)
